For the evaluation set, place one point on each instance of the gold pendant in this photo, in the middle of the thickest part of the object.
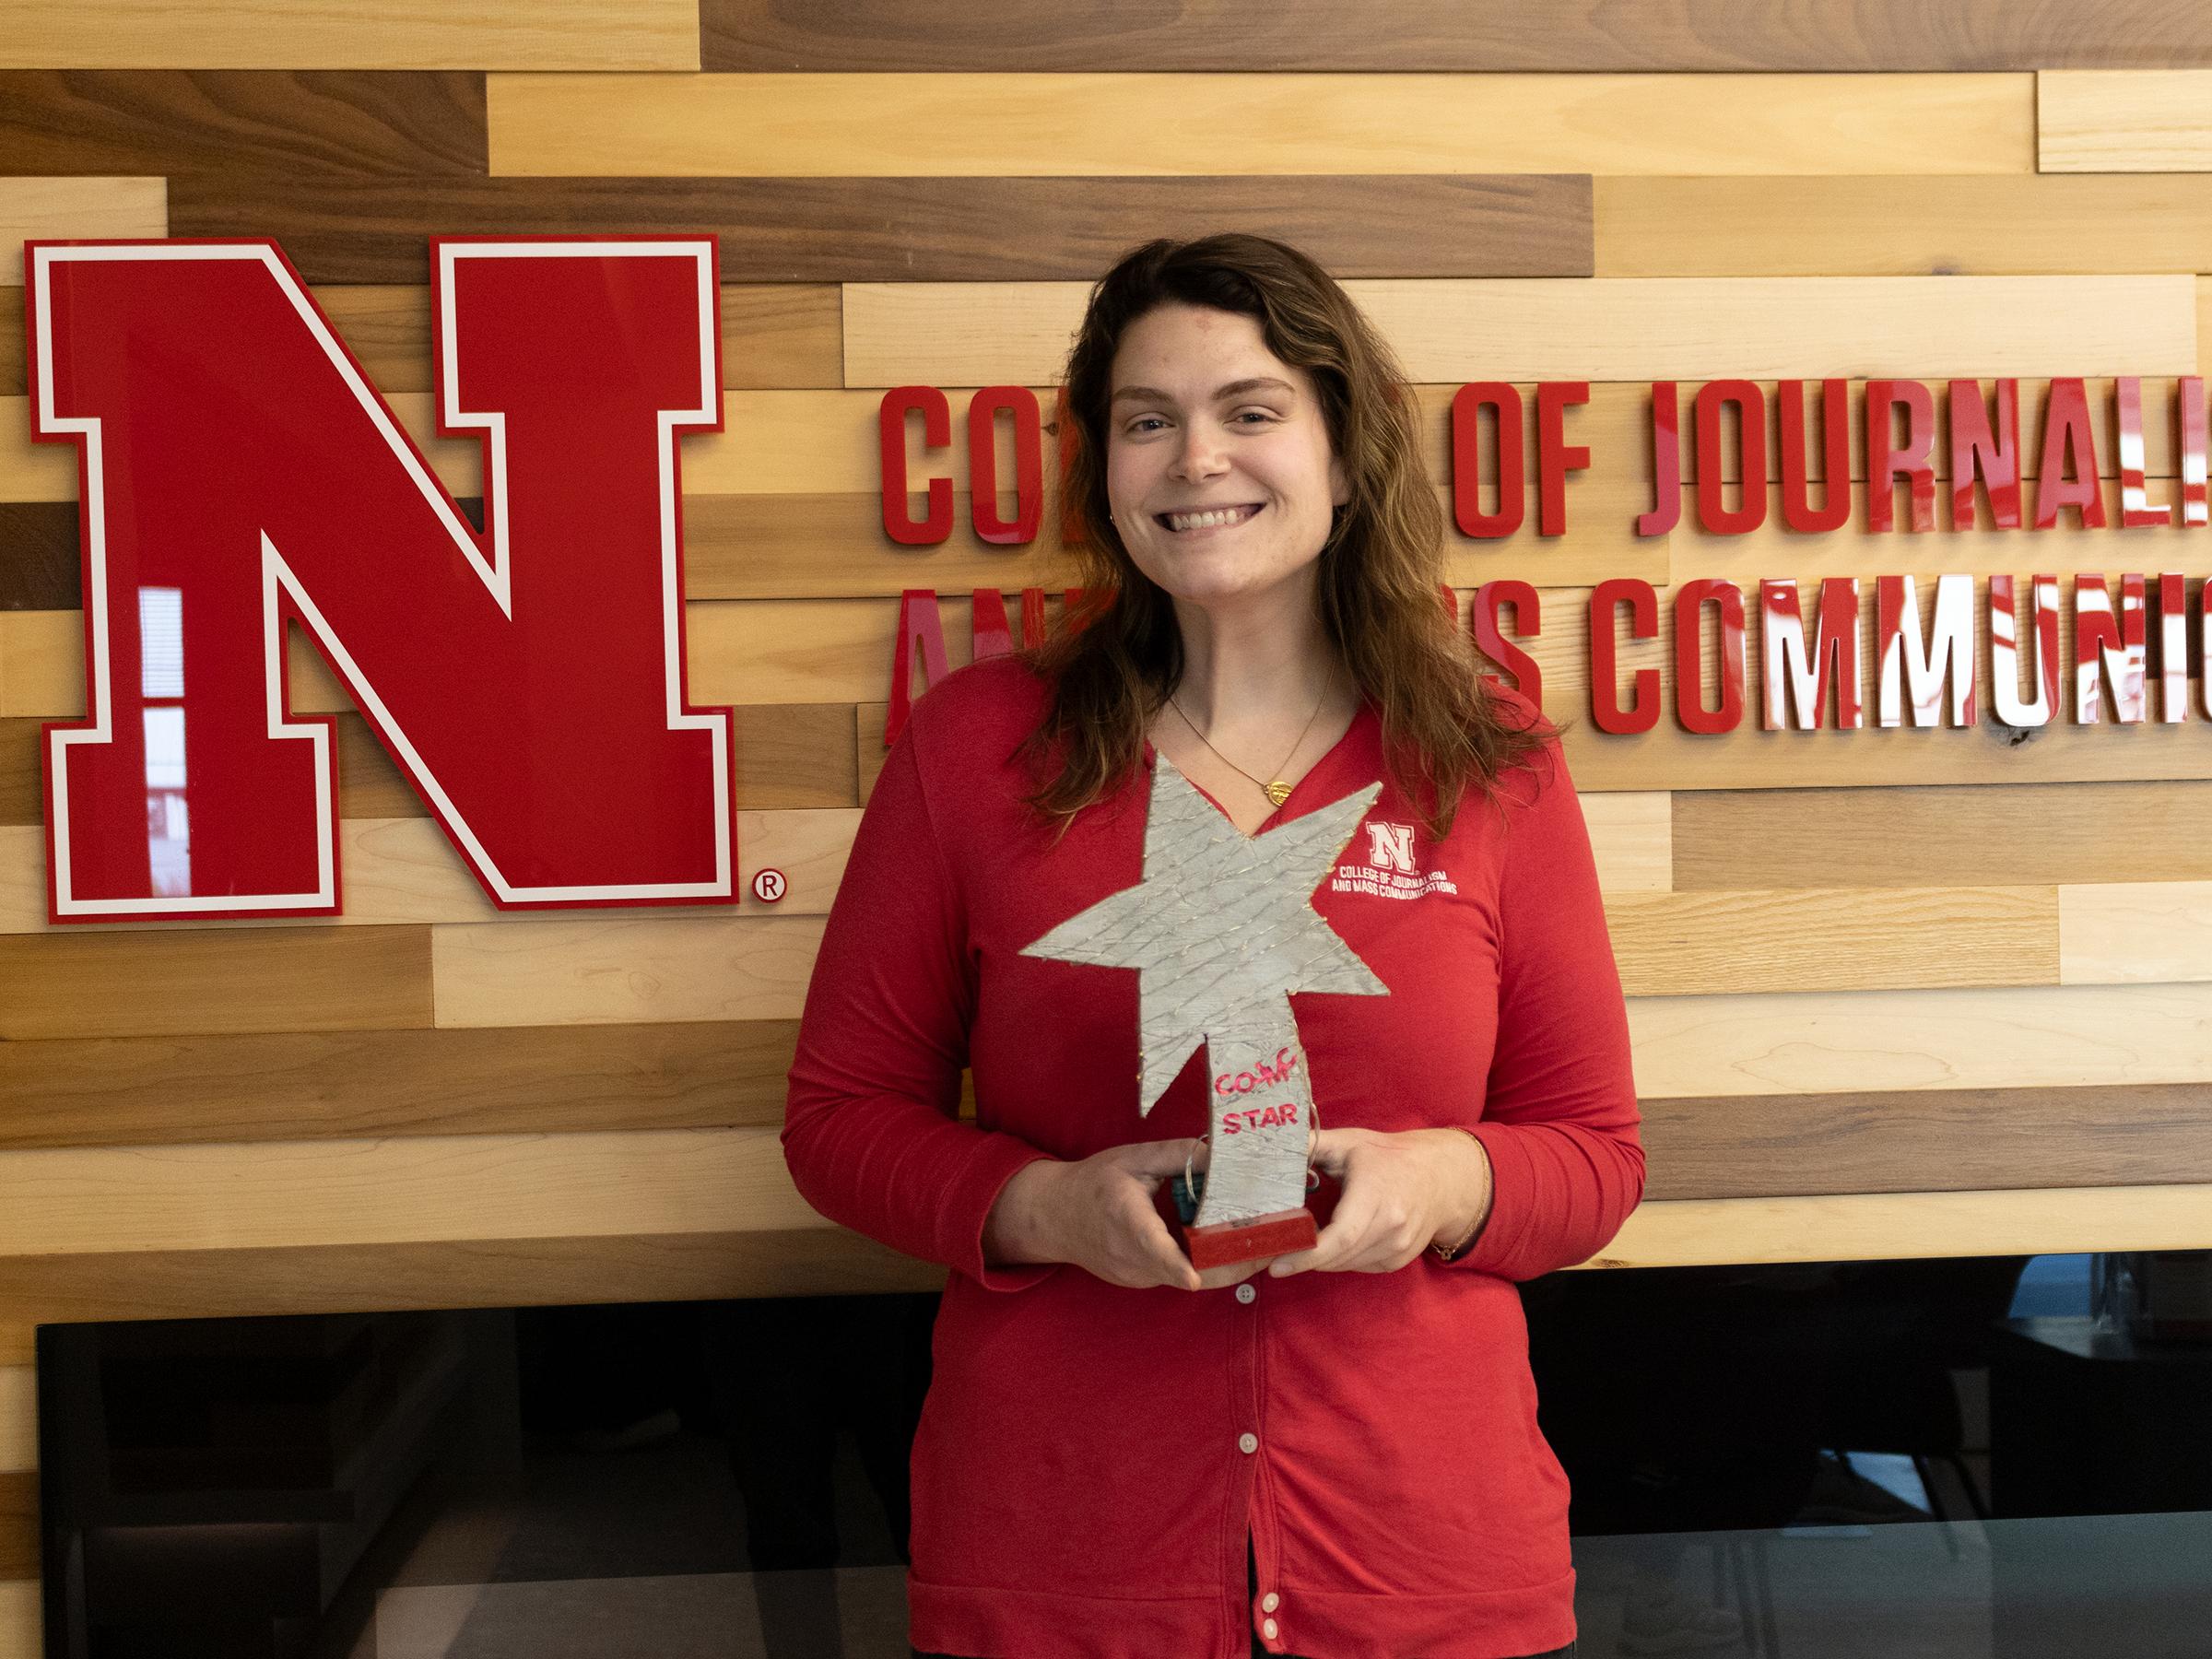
(1279, 792)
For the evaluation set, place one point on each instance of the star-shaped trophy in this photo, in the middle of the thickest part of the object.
(1221, 930)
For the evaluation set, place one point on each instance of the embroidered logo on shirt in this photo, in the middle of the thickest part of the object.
(1391, 870)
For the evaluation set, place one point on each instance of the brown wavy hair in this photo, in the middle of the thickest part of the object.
(1118, 654)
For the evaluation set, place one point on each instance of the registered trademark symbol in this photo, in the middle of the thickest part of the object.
(768, 885)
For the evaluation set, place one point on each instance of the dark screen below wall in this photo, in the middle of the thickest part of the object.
(1947, 1456)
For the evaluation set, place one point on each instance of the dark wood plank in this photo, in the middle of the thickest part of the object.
(1927, 1141)
(796, 755)
(956, 229)
(14, 381)
(38, 559)
(1563, 35)
(19, 1525)
(296, 124)
(176, 981)
(499, 1273)
(158, 1090)
(22, 800)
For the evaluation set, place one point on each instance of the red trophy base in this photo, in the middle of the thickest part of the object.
(1228, 1242)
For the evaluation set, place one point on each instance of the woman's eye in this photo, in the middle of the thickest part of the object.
(1142, 421)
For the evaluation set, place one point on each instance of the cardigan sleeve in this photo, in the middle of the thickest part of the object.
(872, 1133)
(1559, 1119)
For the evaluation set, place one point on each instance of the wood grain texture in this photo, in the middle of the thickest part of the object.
(1581, 36)
(166, 1092)
(1715, 943)
(1364, 223)
(1887, 227)
(814, 1259)
(18, 1418)
(1776, 1145)
(19, 1525)
(1934, 836)
(1841, 1043)
(623, 970)
(1631, 837)
(84, 208)
(2123, 121)
(21, 1628)
(353, 34)
(2135, 932)
(179, 982)
(18, 1342)
(407, 1189)
(320, 123)
(406, 871)
(1608, 328)
(1886, 1226)
(40, 562)
(1077, 125)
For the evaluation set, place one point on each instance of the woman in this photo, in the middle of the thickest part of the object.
(1119, 1457)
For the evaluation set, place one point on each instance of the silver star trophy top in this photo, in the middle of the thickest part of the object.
(1221, 929)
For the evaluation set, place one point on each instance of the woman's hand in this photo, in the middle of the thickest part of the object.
(1098, 1214)
(1402, 1192)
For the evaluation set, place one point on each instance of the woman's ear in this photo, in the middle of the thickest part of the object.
(1340, 488)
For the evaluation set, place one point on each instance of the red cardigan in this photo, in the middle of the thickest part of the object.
(1092, 1458)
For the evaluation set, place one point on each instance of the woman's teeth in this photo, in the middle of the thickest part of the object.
(1205, 521)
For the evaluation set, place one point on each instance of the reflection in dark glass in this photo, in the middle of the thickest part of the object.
(1946, 1458)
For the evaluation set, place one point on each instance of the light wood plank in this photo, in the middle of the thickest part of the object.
(1833, 1042)
(405, 870)
(272, 1194)
(623, 970)
(1716, 943)
(351, 34)
(1631, 835)
(2123, 121)
(1713, 1231)
(19, 1342)
(2135, 932)
(1933, 836)
(22, 1625)
(1876, 226)
(78, 210)
(1066, 124)
(18, 1418)
(99, 984)
(302, 1086)
(1602, 329)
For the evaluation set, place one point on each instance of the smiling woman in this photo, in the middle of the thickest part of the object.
(1264, 557)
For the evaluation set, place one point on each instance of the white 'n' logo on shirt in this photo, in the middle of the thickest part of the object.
(1391, 871)
(1390, 846)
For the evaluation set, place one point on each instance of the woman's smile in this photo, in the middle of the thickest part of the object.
(1206, 522)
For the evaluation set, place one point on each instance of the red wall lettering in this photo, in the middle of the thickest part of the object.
(899, 521)
(1467, 403)
(1555, 459)
(1667, 461)
(2069, 442)
(1750, 405)
(1785, 664)
(1528, 624)
(1994, 456)
(240, 474)
(2104, 645)
(1643, 712)
(1797, 510)
(982, 465)
(1888, 460)
(1690, 600)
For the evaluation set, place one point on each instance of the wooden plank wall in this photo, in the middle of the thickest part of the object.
(1908, 995)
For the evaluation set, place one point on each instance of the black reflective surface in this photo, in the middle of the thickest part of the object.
(1947, 1458)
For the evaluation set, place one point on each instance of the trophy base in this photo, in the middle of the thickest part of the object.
(1227, 1243)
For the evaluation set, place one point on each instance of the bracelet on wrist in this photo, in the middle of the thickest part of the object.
(1445, 1252)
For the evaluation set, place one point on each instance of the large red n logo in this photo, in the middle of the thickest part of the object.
(239, 472)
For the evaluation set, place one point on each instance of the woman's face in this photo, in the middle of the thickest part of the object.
(1204, 418)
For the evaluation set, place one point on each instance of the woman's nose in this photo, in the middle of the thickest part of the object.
(1200, 455)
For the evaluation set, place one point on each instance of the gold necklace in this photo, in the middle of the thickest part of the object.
(1278, 790)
